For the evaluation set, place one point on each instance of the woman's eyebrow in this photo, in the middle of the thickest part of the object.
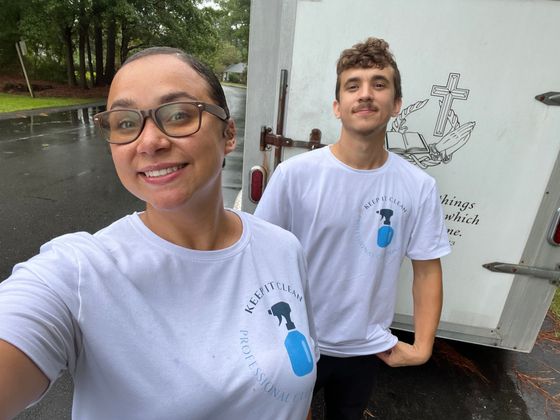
(170, 97)
(173, 96)
(122, 103)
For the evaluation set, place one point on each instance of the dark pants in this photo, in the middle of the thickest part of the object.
(347, 383)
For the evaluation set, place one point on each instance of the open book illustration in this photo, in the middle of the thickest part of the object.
(408, 142)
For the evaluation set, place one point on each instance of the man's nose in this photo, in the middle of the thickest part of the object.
(365, 92)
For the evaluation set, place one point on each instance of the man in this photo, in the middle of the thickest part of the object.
(358, 210)
(176, 312)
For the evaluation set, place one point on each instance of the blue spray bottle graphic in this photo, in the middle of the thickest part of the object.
(295, 342)
(385, 232)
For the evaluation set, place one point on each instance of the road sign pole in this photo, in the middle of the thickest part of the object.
(20, 55)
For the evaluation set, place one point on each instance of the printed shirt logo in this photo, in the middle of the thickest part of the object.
(385, 232)
(276, 358)
(295, 342)
(378, 223)
(449, 134)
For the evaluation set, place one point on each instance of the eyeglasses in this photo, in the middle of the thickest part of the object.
(175, 119)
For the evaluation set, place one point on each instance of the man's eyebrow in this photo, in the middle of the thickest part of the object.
(352, 80)
(380, 77)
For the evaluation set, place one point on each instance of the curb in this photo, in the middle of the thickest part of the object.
(37, 111)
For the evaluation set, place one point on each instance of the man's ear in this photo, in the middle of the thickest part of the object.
(396, 107)
(230, 135)
(336, 109)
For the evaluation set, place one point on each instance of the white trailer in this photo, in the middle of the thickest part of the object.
(481, 82)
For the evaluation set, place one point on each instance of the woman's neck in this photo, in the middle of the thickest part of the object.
(204, 229)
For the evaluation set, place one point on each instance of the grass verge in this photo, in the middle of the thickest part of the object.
(239, 85)
(11, 103)
(555, 307)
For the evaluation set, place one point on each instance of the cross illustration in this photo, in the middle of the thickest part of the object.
(448, 93)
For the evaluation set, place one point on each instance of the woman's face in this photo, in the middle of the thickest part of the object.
(169, 173)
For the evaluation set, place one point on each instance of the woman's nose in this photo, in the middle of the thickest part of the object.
(151, 138)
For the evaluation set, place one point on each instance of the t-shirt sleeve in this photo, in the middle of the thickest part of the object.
(35, 317)
(302, 263)
(429, 236)
(274, 204)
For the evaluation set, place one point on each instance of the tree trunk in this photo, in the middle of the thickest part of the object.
(69, 50)
(125, 40)
(97, 11)
(98, 43)
(111, 49)
(82, 36)
(90, 61)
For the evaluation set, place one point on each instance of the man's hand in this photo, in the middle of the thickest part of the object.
(427, 295)
(404, 354)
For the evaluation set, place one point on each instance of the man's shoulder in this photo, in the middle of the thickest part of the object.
(305, 161)
(409, 170)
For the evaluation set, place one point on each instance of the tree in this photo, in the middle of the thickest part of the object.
(61, 33)
(48, 25)
(235, 24)
(9, 33)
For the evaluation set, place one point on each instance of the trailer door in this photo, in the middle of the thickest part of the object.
(480, 113)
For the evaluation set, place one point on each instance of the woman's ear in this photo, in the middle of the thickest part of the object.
(230, 135)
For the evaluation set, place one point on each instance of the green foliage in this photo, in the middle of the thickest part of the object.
(555, 307)
(57, 33)
(9, 34)
(226, 55)
(234, 24)
(11, 103)
(46, 68)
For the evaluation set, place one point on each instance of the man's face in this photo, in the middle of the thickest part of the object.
(169, 173)
(366, 100)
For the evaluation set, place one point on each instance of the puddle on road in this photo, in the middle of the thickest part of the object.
(39, 124)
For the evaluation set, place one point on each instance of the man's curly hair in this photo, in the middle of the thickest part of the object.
(373, 52)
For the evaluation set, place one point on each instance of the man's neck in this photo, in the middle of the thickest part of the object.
(361, 152)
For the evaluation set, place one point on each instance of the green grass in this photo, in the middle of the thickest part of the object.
(555, 307)
(239, 85)
(11, 103)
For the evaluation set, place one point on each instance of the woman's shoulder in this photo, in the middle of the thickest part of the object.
(71, 248)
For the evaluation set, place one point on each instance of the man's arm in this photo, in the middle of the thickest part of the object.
(427, 292)
(21, 381)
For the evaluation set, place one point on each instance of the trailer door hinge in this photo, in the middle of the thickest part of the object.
(553, 276)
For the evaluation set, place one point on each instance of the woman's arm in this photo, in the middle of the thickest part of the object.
(21, 381)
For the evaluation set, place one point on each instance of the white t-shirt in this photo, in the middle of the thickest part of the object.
(151, 330)
(356, 226)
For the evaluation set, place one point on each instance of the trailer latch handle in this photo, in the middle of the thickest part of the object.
(268, 138)
(549, 98)
(553, 276)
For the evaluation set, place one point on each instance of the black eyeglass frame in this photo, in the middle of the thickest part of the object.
(215, 110)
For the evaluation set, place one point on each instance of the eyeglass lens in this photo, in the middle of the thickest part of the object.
(176, 120)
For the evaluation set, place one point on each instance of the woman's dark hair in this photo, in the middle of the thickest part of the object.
(216, 90)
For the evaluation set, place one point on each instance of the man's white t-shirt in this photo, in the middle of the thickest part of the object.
(356, 226)
(151, 330)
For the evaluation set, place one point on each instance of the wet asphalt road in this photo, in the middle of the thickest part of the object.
(57, 177)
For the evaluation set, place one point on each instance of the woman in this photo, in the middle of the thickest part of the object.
(184, 311)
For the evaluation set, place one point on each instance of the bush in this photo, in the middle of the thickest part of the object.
(46, 69)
